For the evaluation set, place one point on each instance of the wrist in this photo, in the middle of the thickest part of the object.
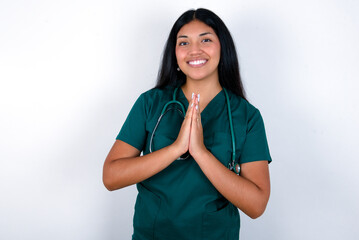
(175, 150)
(200, 153)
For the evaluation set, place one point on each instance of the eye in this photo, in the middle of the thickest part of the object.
(206, 40)
(182, 43)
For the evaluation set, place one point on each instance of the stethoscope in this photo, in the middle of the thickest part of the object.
(232, 165)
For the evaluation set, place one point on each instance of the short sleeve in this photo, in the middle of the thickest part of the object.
(255, 147)
(133, 130)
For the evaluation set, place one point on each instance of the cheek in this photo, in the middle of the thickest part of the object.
(218, 51)
(214, 50)
(218, 55)
(180, 56)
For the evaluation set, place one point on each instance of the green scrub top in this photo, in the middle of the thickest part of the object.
(180, 202)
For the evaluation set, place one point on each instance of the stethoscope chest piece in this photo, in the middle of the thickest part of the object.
(237, 168)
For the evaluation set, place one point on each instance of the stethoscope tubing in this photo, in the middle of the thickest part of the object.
(233, 166)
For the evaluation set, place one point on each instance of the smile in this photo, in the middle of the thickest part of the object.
(197, 63)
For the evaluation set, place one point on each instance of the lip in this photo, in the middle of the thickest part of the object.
(197, 62)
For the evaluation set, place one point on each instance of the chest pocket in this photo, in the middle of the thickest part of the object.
(160, 141)
(220, 145)
(166, 132)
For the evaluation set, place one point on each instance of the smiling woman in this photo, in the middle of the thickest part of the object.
(198, 51)
(197, 110)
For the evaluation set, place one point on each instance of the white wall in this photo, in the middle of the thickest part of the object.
(71, 70)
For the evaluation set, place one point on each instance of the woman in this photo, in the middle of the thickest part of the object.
(198, 197)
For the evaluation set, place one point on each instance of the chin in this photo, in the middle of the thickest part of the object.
(196, 78)
(199, 77)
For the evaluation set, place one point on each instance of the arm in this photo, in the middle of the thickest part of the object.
(124, 166)
(248, 192)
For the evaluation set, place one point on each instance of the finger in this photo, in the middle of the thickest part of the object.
(189, 115)
(195, 118)
(184, 134)
(198, 111)
(190, 106)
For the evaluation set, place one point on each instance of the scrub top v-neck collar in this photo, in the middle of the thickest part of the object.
(216, 100)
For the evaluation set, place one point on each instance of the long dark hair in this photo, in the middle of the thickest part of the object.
(228, 67)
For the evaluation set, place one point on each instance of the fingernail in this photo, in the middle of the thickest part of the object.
(192, 105)
(192, 95)
(198, 97)
(196, 107)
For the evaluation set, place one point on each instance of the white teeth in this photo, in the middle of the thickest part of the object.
(197, 62)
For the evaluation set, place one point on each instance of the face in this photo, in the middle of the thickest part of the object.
(198, 51)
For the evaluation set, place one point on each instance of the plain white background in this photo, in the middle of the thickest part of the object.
(71, 70)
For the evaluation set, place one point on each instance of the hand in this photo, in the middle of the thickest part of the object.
(196, 146)
(182, 142)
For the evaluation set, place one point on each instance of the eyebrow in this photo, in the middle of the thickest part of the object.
(202, 34)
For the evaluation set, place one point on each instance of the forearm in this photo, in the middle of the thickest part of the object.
(123, 172)
(243, 193)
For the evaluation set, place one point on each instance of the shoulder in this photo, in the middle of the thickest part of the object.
(153, 92)
(246, 115)
(154, 98)
(241, 104)
(157, 94)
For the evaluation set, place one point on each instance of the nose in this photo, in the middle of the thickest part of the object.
(195, 49)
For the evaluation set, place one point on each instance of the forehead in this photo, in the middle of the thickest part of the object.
(195, 28)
